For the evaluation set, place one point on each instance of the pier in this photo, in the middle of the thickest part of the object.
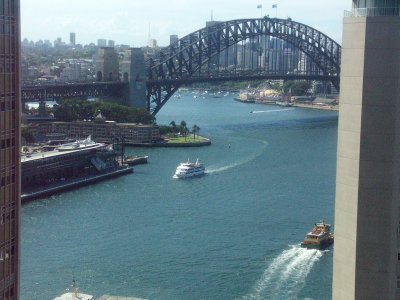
(46, 192)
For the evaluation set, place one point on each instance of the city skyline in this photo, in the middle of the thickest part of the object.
(129, 22)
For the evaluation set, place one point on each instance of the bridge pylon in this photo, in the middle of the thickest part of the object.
(134, 72)
(107, 65)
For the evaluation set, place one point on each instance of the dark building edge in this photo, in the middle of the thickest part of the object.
(10, 95)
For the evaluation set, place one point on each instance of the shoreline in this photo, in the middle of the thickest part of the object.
(300, 105)
(73, 184)
(203, 141)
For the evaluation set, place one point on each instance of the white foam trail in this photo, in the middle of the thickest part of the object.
(239, 162)
(270, 111)
(286, 275)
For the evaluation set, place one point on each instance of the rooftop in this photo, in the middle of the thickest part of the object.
(48, 154)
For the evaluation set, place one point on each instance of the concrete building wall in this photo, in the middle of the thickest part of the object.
(368, 161)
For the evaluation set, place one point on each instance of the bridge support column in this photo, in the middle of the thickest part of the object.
(107, 66)
(366, 261)
(134, 71)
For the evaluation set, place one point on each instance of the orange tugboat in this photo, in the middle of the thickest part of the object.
(319, 238)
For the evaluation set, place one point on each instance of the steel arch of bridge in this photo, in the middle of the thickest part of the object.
(185, 61)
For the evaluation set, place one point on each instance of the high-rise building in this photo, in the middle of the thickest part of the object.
(9, 148)
(111, 43)
(173, 38)
(57, 42)
(153, 43)
(101, 43)
(366, 260)
(72, 38)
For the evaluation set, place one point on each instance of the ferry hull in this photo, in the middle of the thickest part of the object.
(321, 246)
(183, 176)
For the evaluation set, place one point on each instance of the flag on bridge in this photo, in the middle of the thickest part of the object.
(259, 6)
(274, 5)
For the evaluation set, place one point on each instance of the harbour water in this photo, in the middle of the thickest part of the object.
(231, 234)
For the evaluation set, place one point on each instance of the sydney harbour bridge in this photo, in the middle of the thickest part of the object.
(245, 49)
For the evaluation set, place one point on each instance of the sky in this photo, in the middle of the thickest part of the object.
(128, 21)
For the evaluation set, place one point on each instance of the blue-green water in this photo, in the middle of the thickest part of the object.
(231, 234)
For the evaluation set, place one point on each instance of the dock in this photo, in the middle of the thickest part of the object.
(134, 161)
(46, 192)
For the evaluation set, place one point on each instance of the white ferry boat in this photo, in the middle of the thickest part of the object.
(186, 170)
(77, 145)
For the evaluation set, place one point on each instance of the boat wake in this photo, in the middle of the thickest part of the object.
(286, 275)
(249, 158)
(271, 111)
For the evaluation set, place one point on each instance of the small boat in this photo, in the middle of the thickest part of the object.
(186, 170)
(319, 238)
(284, 103)
(217, 95)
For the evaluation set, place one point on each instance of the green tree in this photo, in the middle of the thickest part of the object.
(183, 128)
(195, 129)
(73, 110)
(297, 88)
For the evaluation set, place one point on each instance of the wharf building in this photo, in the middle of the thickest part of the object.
(40, 170)
(366, 261)
(104, 132)
(9, 148)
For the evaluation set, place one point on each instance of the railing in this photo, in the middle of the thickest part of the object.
(372, 12)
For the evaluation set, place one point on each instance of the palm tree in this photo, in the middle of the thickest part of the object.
(184, 129)
(195, 129)
(173, 124)
(183, 124)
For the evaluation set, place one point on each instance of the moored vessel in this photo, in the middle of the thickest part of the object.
(79, 144)
(186, 170)
(284, 103)
(319, 238)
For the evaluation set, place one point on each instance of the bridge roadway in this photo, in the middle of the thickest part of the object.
(54, 92)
